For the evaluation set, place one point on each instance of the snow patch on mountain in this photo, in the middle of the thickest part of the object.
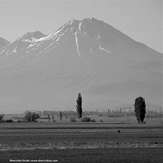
(80, 26)
(77, 43)
(103, 49)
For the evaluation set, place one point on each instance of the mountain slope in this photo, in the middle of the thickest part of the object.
(87, 56)
(21, 45)
(3, 43)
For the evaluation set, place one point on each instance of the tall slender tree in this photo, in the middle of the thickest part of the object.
(140, 109)
(1, 117)
(79, 105)
(60, 115)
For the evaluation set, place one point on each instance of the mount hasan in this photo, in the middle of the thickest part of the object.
(88, 56)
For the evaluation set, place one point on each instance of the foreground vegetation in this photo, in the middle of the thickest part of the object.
(124, 155)
(117, 140)
(77, 136)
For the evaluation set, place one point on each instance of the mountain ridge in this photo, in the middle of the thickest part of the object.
(78, 22)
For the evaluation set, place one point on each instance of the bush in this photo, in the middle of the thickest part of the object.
(1, 117)
(31, 116)
(87, 119)
(72, 119)
(93, 120)
(9, 121)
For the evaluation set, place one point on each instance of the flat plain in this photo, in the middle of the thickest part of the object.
(82, 142)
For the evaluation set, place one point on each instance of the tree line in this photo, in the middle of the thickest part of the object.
(140, 111)
(140, 108)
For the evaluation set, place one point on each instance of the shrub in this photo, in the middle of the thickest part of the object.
(72, 119)
(1, 117)
(140, 109)
(9, 121)
(87, 119)
(31, 116)
(93, 120)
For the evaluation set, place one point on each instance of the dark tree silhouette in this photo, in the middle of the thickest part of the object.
(140, 109)
(1, 117)
(79, 105)
(60, 115)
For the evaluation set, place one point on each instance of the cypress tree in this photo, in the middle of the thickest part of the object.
(140, 109)
(79, 105)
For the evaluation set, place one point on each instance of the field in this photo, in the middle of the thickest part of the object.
(129, 155)
(112, 141)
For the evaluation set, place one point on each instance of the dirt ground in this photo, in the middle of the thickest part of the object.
(117, 155)
(82, 142)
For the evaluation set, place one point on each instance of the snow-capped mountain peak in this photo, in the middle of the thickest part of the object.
(88, 56)
(86, 36)
(20, 45)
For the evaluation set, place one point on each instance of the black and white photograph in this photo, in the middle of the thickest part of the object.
(81, 81)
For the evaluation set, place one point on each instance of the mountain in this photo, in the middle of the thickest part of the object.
(3, 43)
(22, 44)
(87, 56)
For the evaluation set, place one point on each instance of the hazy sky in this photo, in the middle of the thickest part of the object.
(140, 19)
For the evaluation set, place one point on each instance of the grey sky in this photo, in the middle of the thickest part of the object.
(140, 19)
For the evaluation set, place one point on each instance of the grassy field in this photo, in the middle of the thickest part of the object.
(129, 155)
(112, 141)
